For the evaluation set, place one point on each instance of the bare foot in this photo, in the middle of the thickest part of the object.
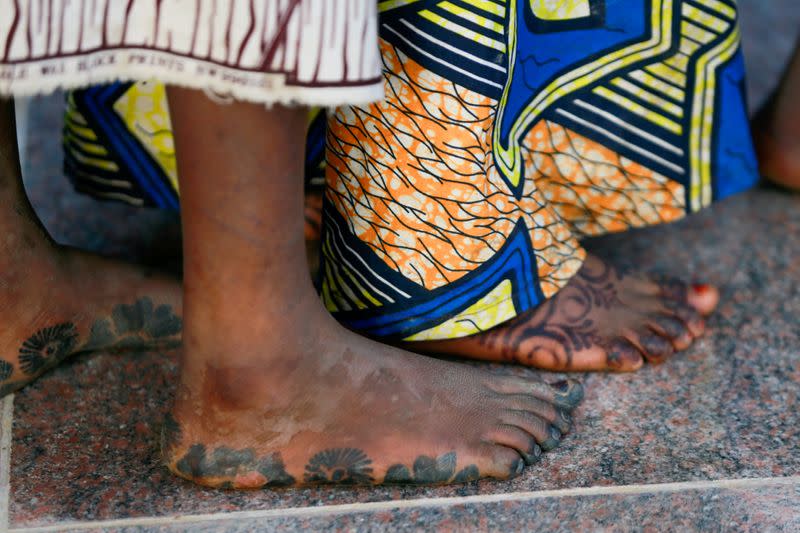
(603, 319)
(274, 392)
(329, 406)
(56, 302)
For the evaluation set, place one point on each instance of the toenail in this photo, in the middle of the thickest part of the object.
(552, 441)
(533, 456)
(566, 418)
(701, 288)
(517, 467)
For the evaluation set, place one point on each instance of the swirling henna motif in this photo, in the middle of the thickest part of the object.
(565, 321)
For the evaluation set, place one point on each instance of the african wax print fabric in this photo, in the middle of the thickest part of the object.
(118, 145)
(510, 131)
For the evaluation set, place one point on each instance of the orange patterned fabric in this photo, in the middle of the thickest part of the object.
(414, 177)
(594, 189)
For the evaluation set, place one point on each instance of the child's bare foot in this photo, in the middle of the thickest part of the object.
(323, 405)
(55, 301)
(603, 319)
(273, 391)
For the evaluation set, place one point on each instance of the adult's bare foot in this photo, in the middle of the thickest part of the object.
(55, 301)
(273, 391)
(603, 319)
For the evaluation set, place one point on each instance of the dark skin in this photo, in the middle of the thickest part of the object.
(776, 130)
(56, 301)
(273, 391)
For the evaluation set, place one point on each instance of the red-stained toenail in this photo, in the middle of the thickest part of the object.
(701, 288)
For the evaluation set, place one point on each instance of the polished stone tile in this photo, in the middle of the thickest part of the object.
(84, 436)
(769, 509)
(773, 508)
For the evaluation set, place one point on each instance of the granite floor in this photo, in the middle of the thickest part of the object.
(709, 441)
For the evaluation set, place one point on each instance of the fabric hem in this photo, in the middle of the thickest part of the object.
(44, 76)
(580, 251)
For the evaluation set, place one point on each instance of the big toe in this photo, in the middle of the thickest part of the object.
(622, 356)
(500, 462)
(703, 297)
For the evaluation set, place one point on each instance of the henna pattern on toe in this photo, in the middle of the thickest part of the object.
(47, 347)
(429, 470)
(339, 465)
(6, 369)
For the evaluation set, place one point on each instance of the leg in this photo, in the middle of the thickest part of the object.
(275, 392)
(56, 301)
(776, 130)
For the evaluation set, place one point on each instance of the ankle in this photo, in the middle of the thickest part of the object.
(27, 260)
(232, 317)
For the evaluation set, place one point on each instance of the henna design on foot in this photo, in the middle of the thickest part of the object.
(135, 326)
(47, 347)
(340, 465)
(605, 318)
(232, 465)
(140, 325)
(569, 325)
(429, 470)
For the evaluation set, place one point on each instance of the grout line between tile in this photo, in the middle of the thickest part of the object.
(334, 510)
(6, 426)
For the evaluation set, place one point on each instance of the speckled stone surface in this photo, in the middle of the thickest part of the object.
(774, 508)
(84, 436)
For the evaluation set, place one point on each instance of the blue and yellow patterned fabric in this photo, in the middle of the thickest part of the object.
(119, 146)
(511, 129)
